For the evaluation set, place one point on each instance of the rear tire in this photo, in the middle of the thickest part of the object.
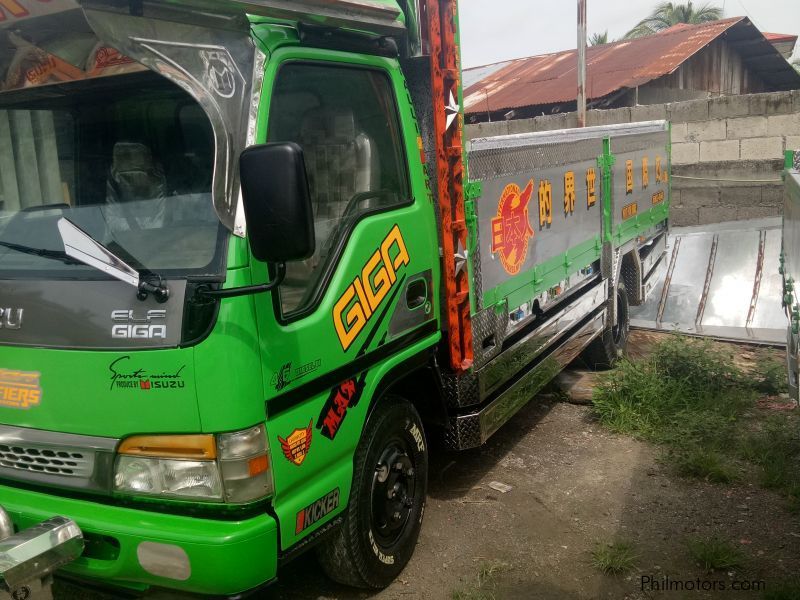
(387, 500)
(609, 347)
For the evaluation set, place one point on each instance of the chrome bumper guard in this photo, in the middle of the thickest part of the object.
(29, 558)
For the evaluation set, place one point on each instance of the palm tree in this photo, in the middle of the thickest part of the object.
(667, 14)
(598, 38)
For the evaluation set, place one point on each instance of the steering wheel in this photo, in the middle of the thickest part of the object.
(349, 211)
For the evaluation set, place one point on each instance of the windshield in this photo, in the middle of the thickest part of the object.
(129, 159)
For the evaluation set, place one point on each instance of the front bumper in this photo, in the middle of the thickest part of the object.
(135, 548)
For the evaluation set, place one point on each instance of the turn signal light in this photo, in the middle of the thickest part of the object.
(197, 447)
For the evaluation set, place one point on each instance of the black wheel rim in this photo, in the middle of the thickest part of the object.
(621, 312)
(394, 484)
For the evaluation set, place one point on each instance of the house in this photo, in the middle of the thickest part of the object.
(685, 62)
(784, 43)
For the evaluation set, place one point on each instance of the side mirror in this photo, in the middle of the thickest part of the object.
(277, 202)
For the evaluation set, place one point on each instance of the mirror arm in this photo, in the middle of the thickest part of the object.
(207, 292)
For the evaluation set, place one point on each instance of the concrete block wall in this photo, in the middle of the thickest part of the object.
(727, 153)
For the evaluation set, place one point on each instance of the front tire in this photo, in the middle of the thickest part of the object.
(387, 500)
(606, 349)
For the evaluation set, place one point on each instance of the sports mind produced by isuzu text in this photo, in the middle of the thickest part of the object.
(249, 269)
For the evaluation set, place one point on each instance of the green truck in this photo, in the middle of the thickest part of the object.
(250, 270)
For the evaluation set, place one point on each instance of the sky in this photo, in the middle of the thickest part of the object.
(497, 30)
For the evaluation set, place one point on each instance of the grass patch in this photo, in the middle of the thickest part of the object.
(483, 588)
(714, 554)
(690, 397)
(702, 463)
(614, 559)
(769, 374)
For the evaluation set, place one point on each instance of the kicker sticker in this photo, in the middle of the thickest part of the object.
(296, 445)
(369, 289)
(511, 228)
(316, 511)
(19, 389)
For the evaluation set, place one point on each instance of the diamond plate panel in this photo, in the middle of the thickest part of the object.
(488, 325)
(463, 433)
(477, 271)
(636, 142)
(490, 161)
(460, 390)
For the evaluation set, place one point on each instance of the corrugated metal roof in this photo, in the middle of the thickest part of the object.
(779, 37)
(552, 78)
(475, 74)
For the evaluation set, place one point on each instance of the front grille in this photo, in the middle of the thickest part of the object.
(51, 458)
(42, 459)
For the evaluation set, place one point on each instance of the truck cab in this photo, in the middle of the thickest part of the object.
(249, 269)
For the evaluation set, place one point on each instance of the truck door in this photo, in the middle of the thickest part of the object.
(365, 301)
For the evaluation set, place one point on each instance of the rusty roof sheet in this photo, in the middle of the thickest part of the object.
(552, 78)
(780, 37)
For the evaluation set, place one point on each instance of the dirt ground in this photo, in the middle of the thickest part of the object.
(574, 486)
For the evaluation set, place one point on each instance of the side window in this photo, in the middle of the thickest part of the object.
(346, 121)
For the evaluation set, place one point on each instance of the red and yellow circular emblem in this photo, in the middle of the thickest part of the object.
(511, 229)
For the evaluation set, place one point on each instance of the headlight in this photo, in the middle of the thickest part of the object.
(168, 478)
(233, 467)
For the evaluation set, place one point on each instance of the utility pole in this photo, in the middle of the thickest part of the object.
(581, 63)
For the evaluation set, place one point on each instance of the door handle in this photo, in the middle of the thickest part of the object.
(416, 294)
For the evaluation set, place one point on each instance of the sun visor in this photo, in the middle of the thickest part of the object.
(210, 55)
(214, 65)
(44, 43)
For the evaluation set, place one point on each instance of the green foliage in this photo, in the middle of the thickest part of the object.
(614, 559)
(685, 394)
(770, 375)
(597, 39)
(713, 554)
(690, 397)
(701, 463)
(775, 448)
(667, 14)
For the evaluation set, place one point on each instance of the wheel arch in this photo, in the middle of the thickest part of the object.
(417, 380)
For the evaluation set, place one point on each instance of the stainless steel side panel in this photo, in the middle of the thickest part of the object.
(640, 157)
(721, 281)
(525, 351)
(472, 430)
(562, 232)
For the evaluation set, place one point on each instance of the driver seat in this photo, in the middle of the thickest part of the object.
(136, 188)
(341, 162)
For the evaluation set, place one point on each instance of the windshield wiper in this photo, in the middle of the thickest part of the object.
(42, 252)
(80, 246)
